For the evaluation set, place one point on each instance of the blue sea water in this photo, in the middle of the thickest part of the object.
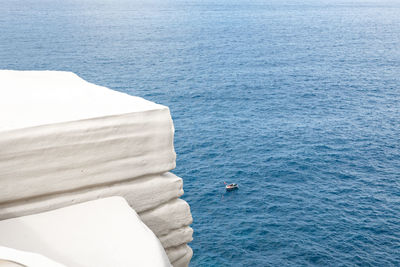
(296, 101)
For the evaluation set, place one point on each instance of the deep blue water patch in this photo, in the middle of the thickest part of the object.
(297, 101)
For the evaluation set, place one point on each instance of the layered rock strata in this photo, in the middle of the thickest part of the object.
(64, 141)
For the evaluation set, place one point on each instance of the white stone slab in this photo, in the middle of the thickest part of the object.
(168, 217)
(177, 237)
(105, 232)
(34, 98)
(142, 194)
(175, 253)
(63, 133)
(184, 261)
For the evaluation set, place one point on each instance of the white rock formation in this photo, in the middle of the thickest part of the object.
(65, 141)
(102, 233)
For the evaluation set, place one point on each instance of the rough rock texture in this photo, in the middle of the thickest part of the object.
(65, 141)
(162, 188)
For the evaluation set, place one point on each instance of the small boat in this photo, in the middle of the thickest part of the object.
(230, 187)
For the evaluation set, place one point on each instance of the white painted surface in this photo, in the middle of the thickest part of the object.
(32, 98)
(101, 233)
(24, 258)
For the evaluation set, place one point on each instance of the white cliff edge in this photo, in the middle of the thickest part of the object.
(66, 141)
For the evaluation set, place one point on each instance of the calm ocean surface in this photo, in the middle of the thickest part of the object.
(297, 101)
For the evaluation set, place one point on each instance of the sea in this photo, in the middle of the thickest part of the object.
(296, 101)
